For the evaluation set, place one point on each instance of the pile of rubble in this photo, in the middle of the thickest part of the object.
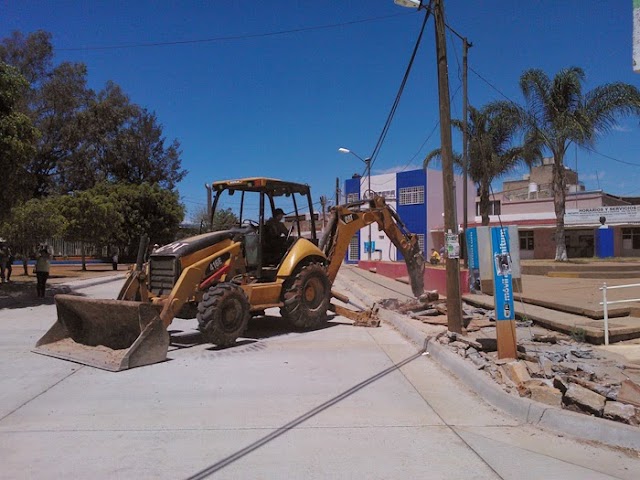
(551, 368)
(563, 374)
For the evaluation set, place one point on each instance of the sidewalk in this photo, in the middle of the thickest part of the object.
(366, 287)
(21, 291)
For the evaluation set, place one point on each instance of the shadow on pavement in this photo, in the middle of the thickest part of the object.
(260, 328)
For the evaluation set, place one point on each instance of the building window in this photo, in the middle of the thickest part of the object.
(631, 238)
(353, 249)
(353, 197)
(421, 242)
(494, 208)
(526, 240)
(388, 194)
(412, 195)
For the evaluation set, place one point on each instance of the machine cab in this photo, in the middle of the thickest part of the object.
(272, 215)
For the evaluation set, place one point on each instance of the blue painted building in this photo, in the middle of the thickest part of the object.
(417, 197)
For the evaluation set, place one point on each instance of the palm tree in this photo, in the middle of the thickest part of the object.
(492, 130)
(558, 113)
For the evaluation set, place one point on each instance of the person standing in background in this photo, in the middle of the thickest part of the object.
(43, 265)
(114, 260)
(3, 261)
(9, 268)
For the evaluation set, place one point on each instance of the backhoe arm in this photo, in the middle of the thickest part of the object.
(348, 219)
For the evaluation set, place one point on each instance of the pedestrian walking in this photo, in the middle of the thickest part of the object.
(9, 268)
(114, 260)
(43, 265)
(3, 261)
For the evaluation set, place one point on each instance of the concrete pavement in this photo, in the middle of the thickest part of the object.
(369, 287)
(323, 404)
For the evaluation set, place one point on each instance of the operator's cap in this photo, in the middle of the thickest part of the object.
(278, 211)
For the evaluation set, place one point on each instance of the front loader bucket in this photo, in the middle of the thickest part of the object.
(109, 334)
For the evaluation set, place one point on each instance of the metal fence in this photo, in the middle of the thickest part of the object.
(66, 248)
(605, 303)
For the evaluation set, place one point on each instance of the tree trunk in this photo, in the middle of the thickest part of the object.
(25, 265)
(559, 198)
(485, 203)
(84, 261)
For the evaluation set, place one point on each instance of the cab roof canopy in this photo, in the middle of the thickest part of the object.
(271, 186)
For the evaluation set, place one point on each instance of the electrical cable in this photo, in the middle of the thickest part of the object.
(396, 102)
(231, 37)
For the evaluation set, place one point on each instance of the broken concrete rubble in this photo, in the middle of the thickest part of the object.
(552, 368)
(629, 393)
(516, 371)
(621, 412)
(582, 399)
(547, 395)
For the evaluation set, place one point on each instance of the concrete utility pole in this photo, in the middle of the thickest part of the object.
(454, 300)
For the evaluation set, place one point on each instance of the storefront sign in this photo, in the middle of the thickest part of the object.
(502, 281)
(591, 216)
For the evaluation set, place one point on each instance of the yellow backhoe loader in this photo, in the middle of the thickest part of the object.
(224, 277)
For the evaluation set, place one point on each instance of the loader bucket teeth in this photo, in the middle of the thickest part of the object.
(112, 335)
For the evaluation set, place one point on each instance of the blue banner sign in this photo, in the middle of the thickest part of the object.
(502, 285)
(472, 259)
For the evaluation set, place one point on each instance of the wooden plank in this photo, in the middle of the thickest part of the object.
(506, 335)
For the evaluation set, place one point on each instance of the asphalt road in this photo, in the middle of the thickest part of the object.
(341, 402)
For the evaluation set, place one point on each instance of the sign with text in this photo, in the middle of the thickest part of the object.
(502, 279)
(617, 214)
(452, 243)
(473, 260)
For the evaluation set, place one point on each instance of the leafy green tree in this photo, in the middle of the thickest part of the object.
(140, 155)
(56, 109)
(32, 223)
(144, 209)
(17, 138)
(91, 218)
(492, 132)
(86, 137)
(558, 113)
(31, 55)
(223, 219)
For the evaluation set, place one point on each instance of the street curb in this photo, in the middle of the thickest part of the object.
(523, 409)
(94, 281)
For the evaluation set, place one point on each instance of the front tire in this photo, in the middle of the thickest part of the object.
(223, 314)
(306, 297)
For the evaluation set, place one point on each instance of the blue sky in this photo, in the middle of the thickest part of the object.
(281, 105)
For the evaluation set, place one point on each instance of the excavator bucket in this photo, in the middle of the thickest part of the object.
(110, 334)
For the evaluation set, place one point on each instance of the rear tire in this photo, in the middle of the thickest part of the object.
(306, 297)
(223, 314)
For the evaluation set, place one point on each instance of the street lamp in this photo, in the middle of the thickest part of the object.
(454, 297)
(367, 162)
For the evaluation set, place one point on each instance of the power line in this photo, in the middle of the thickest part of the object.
(611, 158)
(232, 37)
(396, 102)
(430, 134)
